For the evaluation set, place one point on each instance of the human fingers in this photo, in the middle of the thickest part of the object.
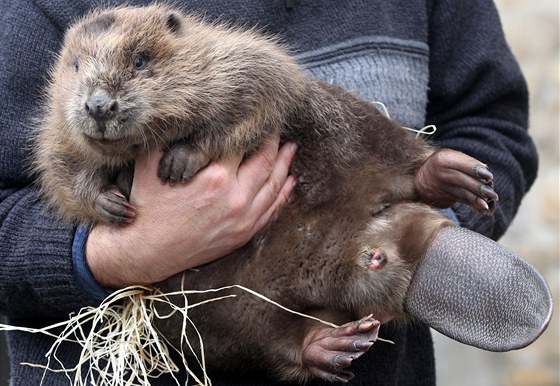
(272, 211)
(255, 170)
(276, 191)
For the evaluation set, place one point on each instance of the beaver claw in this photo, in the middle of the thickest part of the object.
(113, 207)
(180, 163)
(487, 198)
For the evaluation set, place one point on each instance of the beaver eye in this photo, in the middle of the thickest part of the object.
(140, 62)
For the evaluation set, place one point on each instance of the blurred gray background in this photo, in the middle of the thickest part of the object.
(532, 29)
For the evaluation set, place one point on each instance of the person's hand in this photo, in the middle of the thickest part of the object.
(185, 225)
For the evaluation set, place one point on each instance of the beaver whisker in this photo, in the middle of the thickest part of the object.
(157, 135)
(145, 140)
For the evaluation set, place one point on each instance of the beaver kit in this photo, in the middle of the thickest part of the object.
(349, 242)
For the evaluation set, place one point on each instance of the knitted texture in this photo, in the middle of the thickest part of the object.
(391, 71)
(445, 63)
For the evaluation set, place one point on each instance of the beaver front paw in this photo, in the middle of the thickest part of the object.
(113, 207)
(180, 163)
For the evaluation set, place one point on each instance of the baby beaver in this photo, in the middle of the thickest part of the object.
(345, 247)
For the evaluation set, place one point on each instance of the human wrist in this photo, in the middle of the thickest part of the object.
(450, 213)
(83, 273)
(120, 257)
(108, 259)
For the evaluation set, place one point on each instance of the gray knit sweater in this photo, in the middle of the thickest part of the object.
(439, 62)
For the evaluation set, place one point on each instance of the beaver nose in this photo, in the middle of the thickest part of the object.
(101, 106)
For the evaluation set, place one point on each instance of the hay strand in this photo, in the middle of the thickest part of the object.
(121, 346)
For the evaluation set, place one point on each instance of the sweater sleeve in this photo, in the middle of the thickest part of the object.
(478, 99)
(36, 272)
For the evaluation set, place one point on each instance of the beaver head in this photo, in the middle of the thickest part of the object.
(131, 78)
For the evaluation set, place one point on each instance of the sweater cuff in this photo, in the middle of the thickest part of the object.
(84, 275)
(450, 213)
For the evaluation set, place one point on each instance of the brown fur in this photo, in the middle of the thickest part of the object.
(216, 91)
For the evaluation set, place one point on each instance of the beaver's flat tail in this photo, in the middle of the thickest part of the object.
(475, 291)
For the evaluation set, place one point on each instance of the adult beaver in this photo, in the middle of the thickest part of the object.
(129, 80)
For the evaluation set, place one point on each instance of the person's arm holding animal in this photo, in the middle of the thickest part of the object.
(479, 102)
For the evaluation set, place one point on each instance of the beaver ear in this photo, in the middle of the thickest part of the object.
(98, 24)
(173, 21)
